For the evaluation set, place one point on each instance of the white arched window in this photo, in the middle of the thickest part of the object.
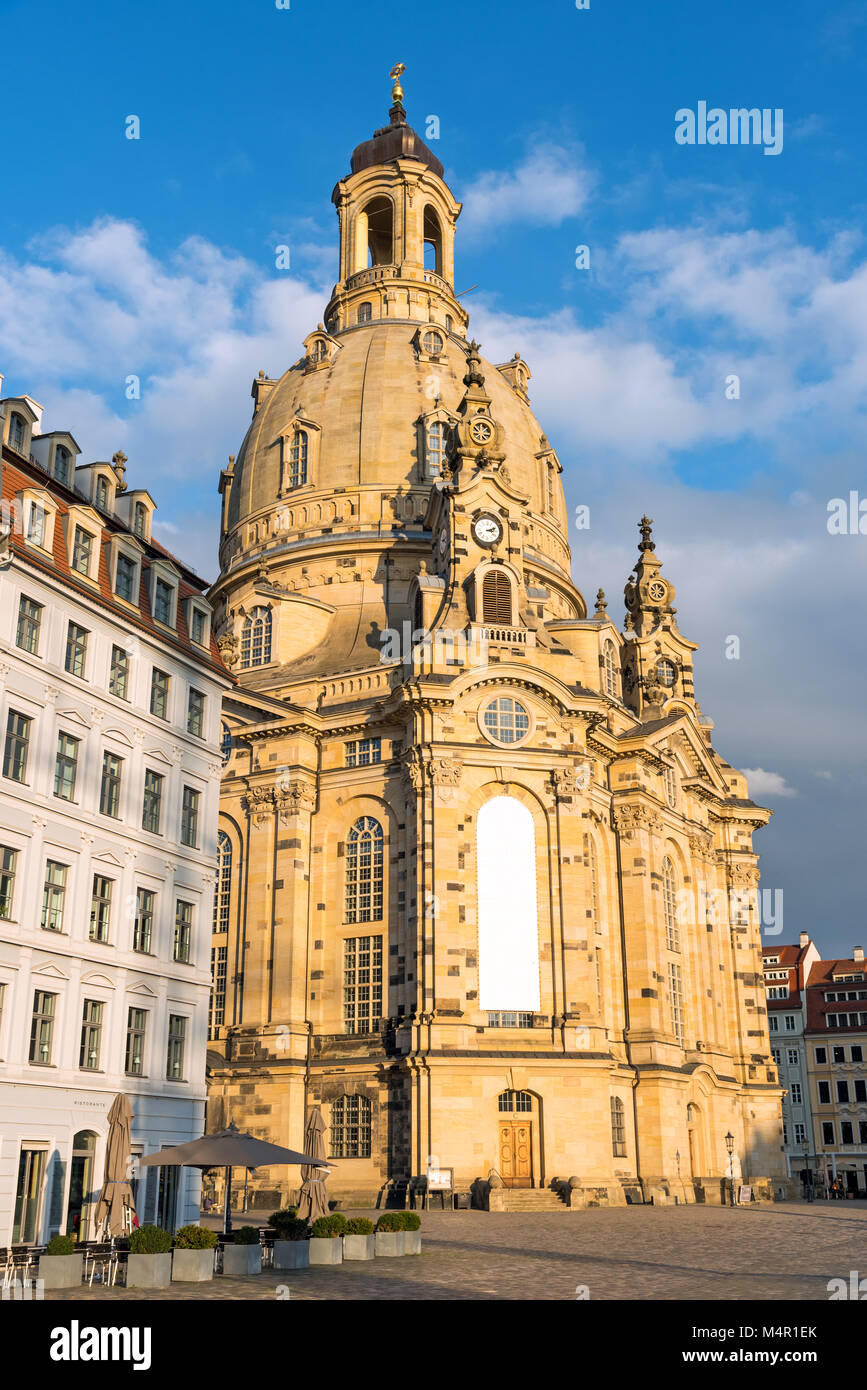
(612, 672)
(256, 638)
(507, 908)
(364, 871)
(669, 905)
(224, 882)
(298, 449)
(436, 448)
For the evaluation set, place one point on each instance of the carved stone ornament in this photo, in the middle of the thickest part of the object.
(227, 645)
(701, 845)
(414, 769)
(292, 799)
(745, 875)
(567, 782)
(446, 772)
(258, 805)
(628, 820)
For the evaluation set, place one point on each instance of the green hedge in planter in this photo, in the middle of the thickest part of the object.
(411, 1220)
(328, 1227)
(284, 1217)
(195, 1238)
(247, 1235)
(291, 1230)
(358, 1226)
(391, 1221)
(149, 1240)
(60, 1245)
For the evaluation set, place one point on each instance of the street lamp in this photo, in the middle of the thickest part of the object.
(730, 1148)
(808, 1185)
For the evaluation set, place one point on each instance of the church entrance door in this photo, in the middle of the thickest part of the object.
(516, 1153)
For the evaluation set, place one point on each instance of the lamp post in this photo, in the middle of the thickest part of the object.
(808, 1185)
(730, 1148)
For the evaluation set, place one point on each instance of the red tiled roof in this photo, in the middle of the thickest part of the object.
(821, 981)
(17, 473)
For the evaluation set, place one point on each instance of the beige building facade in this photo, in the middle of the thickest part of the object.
(487, 890)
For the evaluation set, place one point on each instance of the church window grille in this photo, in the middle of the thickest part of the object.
(436, 448)
(515, 1100)
(506, 720)
(298, 450)
(224, 882)
(365, 313)
(256, 638)
(351, 1127)
(618, 1128)
(363, 751)
(675, 991)
(496, 598)
(509, 1019)
(364, 871)
(669, 906)
(362, 983)
(612, 673)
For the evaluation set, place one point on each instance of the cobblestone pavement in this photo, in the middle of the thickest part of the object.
(788, 1251)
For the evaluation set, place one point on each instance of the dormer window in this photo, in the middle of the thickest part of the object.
(35, 531)
(437, 436)
(198, 623)
(38, 511)
(82, 551)
(62, 464)
(433, 342)
(430, 342)
(101, 495)
(125, 577)
(164, 594)
(611, 668)
(139, 520)
(18, 432)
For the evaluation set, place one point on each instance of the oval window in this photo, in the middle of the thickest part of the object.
(506, 720)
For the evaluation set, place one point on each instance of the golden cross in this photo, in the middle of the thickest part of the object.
(397, 90)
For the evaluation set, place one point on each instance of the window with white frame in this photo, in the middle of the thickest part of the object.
(29, 625)
(792, 1056)
(164, 595)
(795, 1090)
(42, 1027)
(296, 463)
(222, 896)
(800, 1132)
(54, 895)
(675, 994)
(176, 1046)
(612, 670)
(8, 867)
(100, 908)
(256, 638)
(435, 447)
(363, 751)
(362, 983)
(669, 905)
(364, 871)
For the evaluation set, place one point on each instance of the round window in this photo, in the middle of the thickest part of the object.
(506, 720)
(666, 672)
(432, 342)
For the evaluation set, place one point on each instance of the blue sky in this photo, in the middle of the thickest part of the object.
(156, 258)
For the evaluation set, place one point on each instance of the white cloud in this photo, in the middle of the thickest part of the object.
(767, 784)
(549, 185)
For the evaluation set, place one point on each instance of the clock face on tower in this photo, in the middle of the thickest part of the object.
(487, 530)
(482, 431)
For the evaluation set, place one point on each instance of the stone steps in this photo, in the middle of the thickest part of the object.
(531, 1199)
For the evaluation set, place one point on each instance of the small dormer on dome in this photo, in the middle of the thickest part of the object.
(518, 374)
(320, 349)
(429, 342)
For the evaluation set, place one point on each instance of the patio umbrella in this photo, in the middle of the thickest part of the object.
(116, 1208)
(313, 1201)
(228, 1149)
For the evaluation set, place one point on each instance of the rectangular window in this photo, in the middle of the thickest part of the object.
(839, 1056)
(36, 525)
(796, 1092)
(217, 1005)
(153, 801)
(53, 896)
(792, 1056)
(76, 650)
(29, 622)
(362, 983)
(507, 1019)
(124, 577)
(351, 1127)
(175, 1050)
(198, 627)
(857, 1054)
(142, 934)
(17, 746)
(159, 694)
(790, 1023)
(861, 1090)
(65, 767)
(2, 1005)
(91, 1034)
(800, 1132)
(824, 1092)
(821, 1056)
(843, 1091)
(42, 1027)
(190, 817)
(183, 931)
(675, 990)
(109, 790)
(775, 1053)
(100, 908)
(163, 595)
(8, 865)
(827, 1132)
(118, 676)
(135, 1042)
(82, 551)
(363, 751)
(28, 1195)
(196, 713)
(862, 1131)
(847, 1135)
(773, 1023)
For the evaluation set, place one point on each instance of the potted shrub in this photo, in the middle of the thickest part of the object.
(60, 1266)
(149, 1264)
(193, 1260)
(244, 1255)
(326, 1248)
(358, 1239)
(389, 1236)
(291, 1246)
(411, 1232)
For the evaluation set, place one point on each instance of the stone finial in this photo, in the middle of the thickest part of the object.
(119, 460)
(644, 527)
(474, 376)
(601, 604)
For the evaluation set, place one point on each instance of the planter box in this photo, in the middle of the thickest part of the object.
(359, 1247)
(390, 1242)
(149, 1271)
(193, 1266)
(60, 1271)
(412, 1242)
(242, 1259)
(326, 1251)
(291, 1254)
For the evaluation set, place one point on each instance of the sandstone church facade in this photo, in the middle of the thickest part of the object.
(484, 883)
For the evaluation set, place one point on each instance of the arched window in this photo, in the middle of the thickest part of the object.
(497, 598)
(669, 905)
(320, 350)
(102, 493)
(379, 219)
(507, 907)
(62, 458)
(17, 432)
(139, 519)
(224, 882)
(365, 313)
(618, 1128)
(364, 871)
(612, 670)
(433, 241)
(297, 472)
(432, 342)
(256, 638)
(508, 1101)
(436, 448)
(351, 1127)
(592, 883)
(418, 611)
(450, 323)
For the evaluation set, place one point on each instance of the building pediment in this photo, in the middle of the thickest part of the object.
(106, 857)
(50, 971)
(95, 978)
(141, 988)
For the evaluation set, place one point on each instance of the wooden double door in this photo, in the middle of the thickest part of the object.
(516, 1153)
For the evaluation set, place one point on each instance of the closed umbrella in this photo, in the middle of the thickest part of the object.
(115, 1209)
(313, 1201)
(229, 1149)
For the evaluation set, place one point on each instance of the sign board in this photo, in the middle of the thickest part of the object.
(745, 1194)
(440, 1179)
